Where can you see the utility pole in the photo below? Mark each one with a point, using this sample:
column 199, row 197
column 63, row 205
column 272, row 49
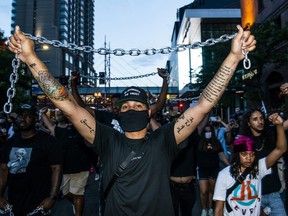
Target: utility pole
column 109, row 71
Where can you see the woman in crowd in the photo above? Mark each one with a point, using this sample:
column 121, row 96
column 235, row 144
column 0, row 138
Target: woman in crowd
column 208, row 152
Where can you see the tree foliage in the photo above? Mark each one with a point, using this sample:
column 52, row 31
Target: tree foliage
column 271, row 39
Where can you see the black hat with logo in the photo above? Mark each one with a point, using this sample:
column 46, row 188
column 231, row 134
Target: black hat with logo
column 133, row 94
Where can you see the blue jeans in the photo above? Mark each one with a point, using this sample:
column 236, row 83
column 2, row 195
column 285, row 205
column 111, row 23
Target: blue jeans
column 274, row 201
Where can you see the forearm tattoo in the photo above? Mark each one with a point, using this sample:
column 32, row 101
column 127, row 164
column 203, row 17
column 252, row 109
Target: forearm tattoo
column 84, row 121
column 216, row 87
column 185, row 122
column 32, row 65
column 51, row 86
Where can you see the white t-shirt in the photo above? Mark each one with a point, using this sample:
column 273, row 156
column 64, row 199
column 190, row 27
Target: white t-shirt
column 245, row 199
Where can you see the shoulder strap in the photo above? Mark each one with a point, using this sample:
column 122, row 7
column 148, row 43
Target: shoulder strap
column 239, row 181
column 119, row 171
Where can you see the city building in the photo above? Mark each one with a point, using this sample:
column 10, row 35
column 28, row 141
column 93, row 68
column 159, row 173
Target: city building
column 274, row 75
column 197, row 22
column 61, row 22
column 67, row 22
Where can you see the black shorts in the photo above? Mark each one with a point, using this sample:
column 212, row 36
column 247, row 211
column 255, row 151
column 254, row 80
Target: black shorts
column 206, row 173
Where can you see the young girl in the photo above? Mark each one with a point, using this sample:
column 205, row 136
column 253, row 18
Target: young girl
column 245, row 198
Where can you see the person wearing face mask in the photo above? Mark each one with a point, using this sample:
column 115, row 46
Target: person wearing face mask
column 208, row 152
column 142, row 187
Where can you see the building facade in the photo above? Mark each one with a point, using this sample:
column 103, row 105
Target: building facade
column 65, row 21
column 274, row 75
column 197, row 22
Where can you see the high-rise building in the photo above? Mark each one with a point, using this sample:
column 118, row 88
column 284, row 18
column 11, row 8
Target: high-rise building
column 65, row 21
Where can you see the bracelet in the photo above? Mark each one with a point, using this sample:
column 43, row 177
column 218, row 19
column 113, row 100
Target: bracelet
column 52, row 197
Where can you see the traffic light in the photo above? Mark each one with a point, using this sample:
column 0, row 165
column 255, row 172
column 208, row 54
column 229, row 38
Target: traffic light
column 180, row 107
column 102, row 78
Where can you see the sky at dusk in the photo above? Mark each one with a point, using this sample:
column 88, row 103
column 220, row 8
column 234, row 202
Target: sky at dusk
column 127, row 24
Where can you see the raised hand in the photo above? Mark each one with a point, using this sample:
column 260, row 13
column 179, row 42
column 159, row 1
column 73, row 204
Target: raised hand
column 21, row 44
column 275, row 118
column 243, row 41
column 162, row 72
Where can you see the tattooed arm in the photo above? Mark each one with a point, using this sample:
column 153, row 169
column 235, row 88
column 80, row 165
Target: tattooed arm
column 210, row 96
column 82, row 120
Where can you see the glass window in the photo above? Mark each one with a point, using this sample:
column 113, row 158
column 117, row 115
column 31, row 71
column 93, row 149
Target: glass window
column 63, row 27
column 67, row 72
column 66, row 57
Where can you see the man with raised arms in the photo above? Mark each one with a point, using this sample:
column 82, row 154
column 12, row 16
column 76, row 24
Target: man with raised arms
column 143, row 187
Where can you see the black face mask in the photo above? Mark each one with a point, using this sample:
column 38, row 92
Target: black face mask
column 132, row 120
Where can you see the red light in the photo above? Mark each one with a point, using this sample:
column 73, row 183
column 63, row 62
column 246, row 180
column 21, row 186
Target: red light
column 181, row 105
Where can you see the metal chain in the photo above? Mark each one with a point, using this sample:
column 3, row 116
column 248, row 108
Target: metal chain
column 7, row 209
column 135, row 51
column 40, row 209
column 11, row 91
column 166, row 75
column 183, row 99
column 246, row 61
column 121, row 78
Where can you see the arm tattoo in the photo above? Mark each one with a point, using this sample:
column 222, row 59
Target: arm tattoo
column 84, row 121
column 51, row 86
column 187, row 123
column 217, row 85
column 32, row 65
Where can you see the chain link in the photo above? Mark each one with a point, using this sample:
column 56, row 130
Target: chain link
column 121, row 78
column 11, row 91
column 7, row 209
column 134, row 51
column 246, row 61
column 183, row 99
column 40, row 209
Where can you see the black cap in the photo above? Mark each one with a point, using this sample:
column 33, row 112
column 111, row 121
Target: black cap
column 28, row 108
column 133, row 94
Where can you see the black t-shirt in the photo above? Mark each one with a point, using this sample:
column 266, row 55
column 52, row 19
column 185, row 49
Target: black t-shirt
column 143, row 188
column 210, row 157
column 75, row 151
column 29, row 176
column 270, row 183
column 185, row 162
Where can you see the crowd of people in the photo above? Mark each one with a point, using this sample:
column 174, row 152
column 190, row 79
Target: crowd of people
column 148, row 166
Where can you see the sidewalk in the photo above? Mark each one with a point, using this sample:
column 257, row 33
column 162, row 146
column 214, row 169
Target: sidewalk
column 64, row 207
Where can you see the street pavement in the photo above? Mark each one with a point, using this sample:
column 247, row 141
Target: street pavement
column 64, row 208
